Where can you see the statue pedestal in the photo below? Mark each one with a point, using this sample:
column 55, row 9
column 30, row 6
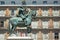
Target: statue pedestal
column 19, row 38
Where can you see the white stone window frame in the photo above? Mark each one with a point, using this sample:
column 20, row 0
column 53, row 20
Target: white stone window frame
column 45, row 24
column 56, row 24
column 2, row 13
column 34, row 24
column 2, row 37
column 45, row 36
column 55, row 13
column 45, row 13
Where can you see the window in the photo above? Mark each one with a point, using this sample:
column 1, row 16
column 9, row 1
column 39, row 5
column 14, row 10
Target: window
column 1, row 23
column 45, row 36
column 55, row 2
column 44, row 2
column 45, row 24
column 1, row 36
column 34, row 24
column 13, row 12
column 56, row 35
column 55, row 12
column 56, row 24
column 45, row 13
column 2, row 2
column 23, row 2
column 12, row 2
column 34, row 2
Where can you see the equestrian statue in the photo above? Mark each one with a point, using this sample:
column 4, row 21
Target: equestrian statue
column 23, row 19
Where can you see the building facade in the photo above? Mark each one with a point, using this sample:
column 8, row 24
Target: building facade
column 45, row 27
column 29, row 2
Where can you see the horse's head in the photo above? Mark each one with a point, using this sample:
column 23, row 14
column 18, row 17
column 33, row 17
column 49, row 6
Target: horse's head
column 31, row 12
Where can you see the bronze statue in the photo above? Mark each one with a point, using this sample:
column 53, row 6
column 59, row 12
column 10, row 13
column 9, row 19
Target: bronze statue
column 23, row 19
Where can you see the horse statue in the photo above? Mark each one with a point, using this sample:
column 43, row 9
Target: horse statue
column 23, row 19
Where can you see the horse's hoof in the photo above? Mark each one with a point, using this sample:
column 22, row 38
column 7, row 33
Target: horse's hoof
column 29, row 29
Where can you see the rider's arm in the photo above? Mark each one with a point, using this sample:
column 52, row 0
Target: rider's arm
column 22, row 16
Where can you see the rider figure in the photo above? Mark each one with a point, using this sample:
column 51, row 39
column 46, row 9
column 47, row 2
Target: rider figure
column 22, row 13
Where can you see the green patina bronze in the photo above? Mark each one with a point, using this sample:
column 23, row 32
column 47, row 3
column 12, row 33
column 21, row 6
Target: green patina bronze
column 23, row 19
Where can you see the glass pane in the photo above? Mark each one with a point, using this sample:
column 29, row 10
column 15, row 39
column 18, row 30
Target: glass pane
column 45, row 36
column 23, row 2
column 55, row 2
column 1, row 23
column 2, row 2
column 45, row 24
column 34, row 24
column 12, row 2
column 34, row 2
column 56, row 36
column 44, row 2
column 56, row 24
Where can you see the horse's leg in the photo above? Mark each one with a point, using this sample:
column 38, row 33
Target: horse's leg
column 28, row 23
column 10, row 28
column 13, row 29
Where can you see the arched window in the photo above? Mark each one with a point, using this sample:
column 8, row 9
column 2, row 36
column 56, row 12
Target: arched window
column 23, row 2
column 34, row 2
column 44, row 2
column 2, row 2
column 12, row 2
column 55, row 2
